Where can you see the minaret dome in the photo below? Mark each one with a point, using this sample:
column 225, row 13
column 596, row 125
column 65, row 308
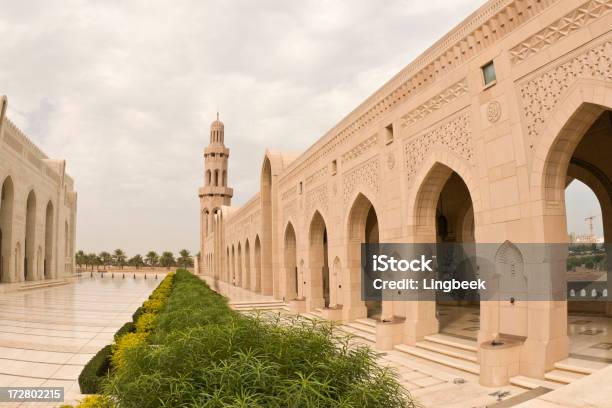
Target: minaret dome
column 216, row 131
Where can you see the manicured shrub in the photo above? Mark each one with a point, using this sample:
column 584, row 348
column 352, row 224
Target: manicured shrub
column 95, row 371
column 146, row 322
column 96, row 401
column 126, row 338
column 137, row 313
column 129, row 327
column 123, row 346
column 153, row 305
column 203, row 354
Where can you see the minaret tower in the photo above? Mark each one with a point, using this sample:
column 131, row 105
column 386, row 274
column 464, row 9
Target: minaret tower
column 214, row 194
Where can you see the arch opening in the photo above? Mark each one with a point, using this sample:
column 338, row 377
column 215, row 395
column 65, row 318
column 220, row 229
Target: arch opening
column 247, row 266
column 362, row 228
column 257, row 263
column 445, row 218
column 578, row 174
column 29, row 261
column 290, row 264
column 48, row 267
column 7, row 196
column 319, row 262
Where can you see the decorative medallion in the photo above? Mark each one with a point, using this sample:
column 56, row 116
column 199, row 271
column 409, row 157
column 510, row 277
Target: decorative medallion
column 493, row 111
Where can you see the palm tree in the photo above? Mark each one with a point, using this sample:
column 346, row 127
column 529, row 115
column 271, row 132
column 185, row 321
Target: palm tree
column 105, row 258
column 92, row 259
column 167, row 259
column 119, row 257
column 152, row 258
column 185, row 258
column 136, row 261
column 80, row 258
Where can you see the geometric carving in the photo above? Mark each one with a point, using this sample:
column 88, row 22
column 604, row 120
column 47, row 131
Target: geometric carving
column 561, row 28
column 289, row 208
column 317, row 196
column 366, row 173
column 360, row 149
column 289, row 192
column 540, row 94
column 455, row 135
column 319, row 174
column 443, row 98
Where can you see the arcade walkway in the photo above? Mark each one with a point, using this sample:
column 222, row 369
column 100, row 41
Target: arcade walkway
column 48, row 334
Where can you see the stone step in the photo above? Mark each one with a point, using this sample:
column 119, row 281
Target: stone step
column 359, row 333
column 257, row 307
column 533, row 383
column 255, row 302
column 452, row 351
column 579, row 365
column 311, row 315
column 366, row 321
column 43, row 284
column 363, row 327
column 457, row 342
column 439, row 358
column 562, row 376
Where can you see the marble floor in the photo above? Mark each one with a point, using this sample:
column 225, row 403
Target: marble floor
column 590, row 336
column 48, row 334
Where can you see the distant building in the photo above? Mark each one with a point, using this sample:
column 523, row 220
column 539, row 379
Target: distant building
column 37, row 209
column 585, row 239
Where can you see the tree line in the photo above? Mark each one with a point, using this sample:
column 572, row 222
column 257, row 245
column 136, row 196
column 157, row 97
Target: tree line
column 120, row 259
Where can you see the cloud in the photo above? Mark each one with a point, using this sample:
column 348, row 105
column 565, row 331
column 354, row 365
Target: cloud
column 126, row 90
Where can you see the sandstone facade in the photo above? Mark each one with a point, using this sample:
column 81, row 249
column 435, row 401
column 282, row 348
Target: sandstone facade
column 37, row 210
column 474, row 141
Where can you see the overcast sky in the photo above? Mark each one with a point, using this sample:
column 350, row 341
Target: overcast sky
column 126, row 91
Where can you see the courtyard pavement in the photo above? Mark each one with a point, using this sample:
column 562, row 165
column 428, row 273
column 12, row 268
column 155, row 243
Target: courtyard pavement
column 48, row 334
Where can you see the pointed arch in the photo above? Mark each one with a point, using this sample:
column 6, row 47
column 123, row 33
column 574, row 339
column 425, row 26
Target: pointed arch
column 48, row 262
column 257, row 264
column 362, row 227
column 561, row 133
column 247, row 265
column 233, row 266
column 30, row 272
column 290, row 263
column 239, row 280
column 7, row 198
column 319, row 293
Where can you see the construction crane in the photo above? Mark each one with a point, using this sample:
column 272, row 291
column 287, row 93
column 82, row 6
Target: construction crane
column 589, row 221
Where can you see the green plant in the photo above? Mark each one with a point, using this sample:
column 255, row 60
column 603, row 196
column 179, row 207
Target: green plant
column 202, row 353
column 146, row 322
column 137, row 313
column 128, row 327
column 95, row 370
column 96, row 401
column 123, row 346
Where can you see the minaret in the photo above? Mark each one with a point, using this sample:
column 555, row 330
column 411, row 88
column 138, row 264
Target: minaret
column 215, row 193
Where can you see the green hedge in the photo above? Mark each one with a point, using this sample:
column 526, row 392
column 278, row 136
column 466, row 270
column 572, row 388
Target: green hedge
column 137, row 314
column 128, row 327
column 95, row 370
column 200, row 353
column 100, row 366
